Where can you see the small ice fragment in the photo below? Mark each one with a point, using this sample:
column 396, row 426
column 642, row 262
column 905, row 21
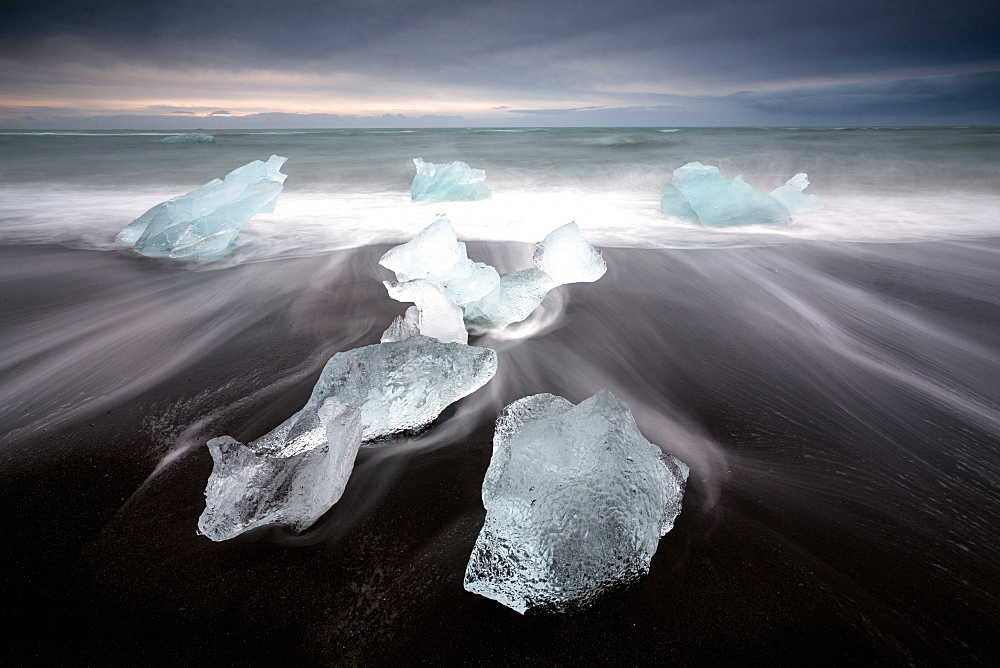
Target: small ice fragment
column 281, row 477
column 567, row 257
column 202, row 225
column 403, row 327
column 447, row 182
column 701, row 194
column 437, row 316
column 189, row 138
column 792, row 197
column 576, row 502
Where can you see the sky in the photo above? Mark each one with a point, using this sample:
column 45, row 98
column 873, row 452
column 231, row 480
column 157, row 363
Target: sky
column 214, row 64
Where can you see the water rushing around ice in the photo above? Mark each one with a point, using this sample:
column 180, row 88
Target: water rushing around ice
column 348, row 188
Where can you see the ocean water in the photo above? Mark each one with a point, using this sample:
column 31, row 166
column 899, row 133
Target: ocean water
column 348, row 188
column 833, row 384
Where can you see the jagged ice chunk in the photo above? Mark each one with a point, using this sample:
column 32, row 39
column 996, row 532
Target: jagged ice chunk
column 567, row 257
column 576, row 502
column 562, row 257
column 447, row 182
column 299, row 470
column 280, row 478
column 202, row 225
column 403, row 326
column 701, row 194
column 437, row 316
column 489, row 301
column 437, row 255
column 513, row 300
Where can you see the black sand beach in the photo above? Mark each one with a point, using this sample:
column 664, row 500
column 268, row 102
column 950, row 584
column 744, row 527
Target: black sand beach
column 837, row 404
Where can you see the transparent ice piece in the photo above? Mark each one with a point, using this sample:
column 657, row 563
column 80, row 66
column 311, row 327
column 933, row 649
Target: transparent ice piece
column 489, row 301
column 437, row 316
column 202, row 225
column 447, row 182
column 576, row 502
column 298, row 471
column 437, row 255
column 400, row 385
column 701, row 194
column 281, row 478
column 513, row 300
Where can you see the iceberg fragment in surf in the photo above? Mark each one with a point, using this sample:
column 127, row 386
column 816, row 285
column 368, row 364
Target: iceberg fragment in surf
column 299, row 470
column 474, row 291
column 202, row 225
column 447, row 182
column 576, row 502
column 701, row 194
column 189, row 138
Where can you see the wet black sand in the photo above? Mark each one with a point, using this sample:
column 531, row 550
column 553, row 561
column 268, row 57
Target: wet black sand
column 843, row 506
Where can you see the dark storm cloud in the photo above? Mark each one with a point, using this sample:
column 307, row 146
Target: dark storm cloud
column 971, row 99
column 930, row 98
column 520, row 44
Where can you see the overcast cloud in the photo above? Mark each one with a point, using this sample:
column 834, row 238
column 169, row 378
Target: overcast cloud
column 84, row 63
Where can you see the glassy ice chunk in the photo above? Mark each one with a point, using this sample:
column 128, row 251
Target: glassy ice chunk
column 400, row 385
column 437, row 255
column 299, row 470
column 576, row 502
column 567, row 257
column 202, row 225
column 434, row 250
column 447, row 182
column 513, row 300
column 701, row 194
column 489, row 301
column 189, row 138
column 281, row 477
column 562, row 257
column 437, row 316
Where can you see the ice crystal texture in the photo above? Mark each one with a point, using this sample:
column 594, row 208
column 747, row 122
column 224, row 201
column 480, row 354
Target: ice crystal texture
column 701, row 194
column 447, row 182
column 202, row 225
column 576, row 502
